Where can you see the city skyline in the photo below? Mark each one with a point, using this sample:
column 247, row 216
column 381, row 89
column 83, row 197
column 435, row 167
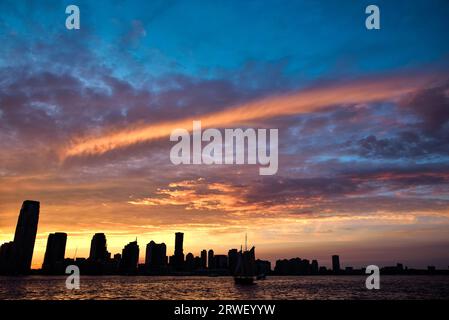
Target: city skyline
column 16, row 255
column 362, row 118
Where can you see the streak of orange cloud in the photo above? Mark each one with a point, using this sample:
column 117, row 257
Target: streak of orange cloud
column 304, row 101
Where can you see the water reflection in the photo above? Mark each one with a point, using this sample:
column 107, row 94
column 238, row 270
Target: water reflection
column 198, row 288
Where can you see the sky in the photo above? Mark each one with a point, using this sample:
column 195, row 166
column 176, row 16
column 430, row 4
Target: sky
column 363, row 119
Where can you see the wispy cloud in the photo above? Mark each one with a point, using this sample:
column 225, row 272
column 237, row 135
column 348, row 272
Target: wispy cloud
column 307, row 100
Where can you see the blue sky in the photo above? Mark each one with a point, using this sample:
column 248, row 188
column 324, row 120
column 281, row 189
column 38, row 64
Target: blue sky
column 204, row 39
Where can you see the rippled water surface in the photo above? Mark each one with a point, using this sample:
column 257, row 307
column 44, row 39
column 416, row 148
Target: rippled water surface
column 316, row 287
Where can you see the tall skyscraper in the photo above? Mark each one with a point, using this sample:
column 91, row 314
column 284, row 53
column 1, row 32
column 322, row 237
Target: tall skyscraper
column 179, row 251
column 179, row 239
column 130, row 258
column 25, row 236
column 54, row 253
column 336, row 263
column 203, row 259
column 210, row 259
column 98, row 248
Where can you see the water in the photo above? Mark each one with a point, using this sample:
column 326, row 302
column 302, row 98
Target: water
column 198, row 288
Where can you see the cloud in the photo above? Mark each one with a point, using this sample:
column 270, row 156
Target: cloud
column 355, row 195
column 199, row 195
column 431, row 105
column 424, row 134
column 308, row 100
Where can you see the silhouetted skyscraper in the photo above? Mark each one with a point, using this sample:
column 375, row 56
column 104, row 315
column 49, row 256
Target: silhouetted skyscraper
column 314, row 268
column 156, row 254
column 179, row 239
column 130, row 258
column 204, row 259
column 336, row 263
column 54, row 253
column 98, row 248
column 25, row 236
column 210, row 259
column 179, row 251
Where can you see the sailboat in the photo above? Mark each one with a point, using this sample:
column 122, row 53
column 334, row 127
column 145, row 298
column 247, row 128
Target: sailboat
column 246, row 266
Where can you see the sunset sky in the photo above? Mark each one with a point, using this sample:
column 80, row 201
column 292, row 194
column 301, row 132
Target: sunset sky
column 363, row 119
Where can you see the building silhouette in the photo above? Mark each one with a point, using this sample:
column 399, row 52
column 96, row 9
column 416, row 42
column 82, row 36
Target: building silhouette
column 190, row 262
column 115, row 262
column 305, row 266
column 155, row 255
column 314, row 268
column 295, row 266
column 323, row 270
column 130, row 258
column 25, row 236
column 210, row 259
column 336, row 263
column 7, row 258
column 198, row 263
column 233, row 256
column 263, row 267
column 179, row 251
column 203, row 259
column 98, row 248
column 54, row 253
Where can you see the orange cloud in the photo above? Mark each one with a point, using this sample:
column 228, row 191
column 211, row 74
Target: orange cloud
column 304, row 101
column 199, row 195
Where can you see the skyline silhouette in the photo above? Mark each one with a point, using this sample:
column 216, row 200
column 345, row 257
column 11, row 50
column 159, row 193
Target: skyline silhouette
column 15, row 257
